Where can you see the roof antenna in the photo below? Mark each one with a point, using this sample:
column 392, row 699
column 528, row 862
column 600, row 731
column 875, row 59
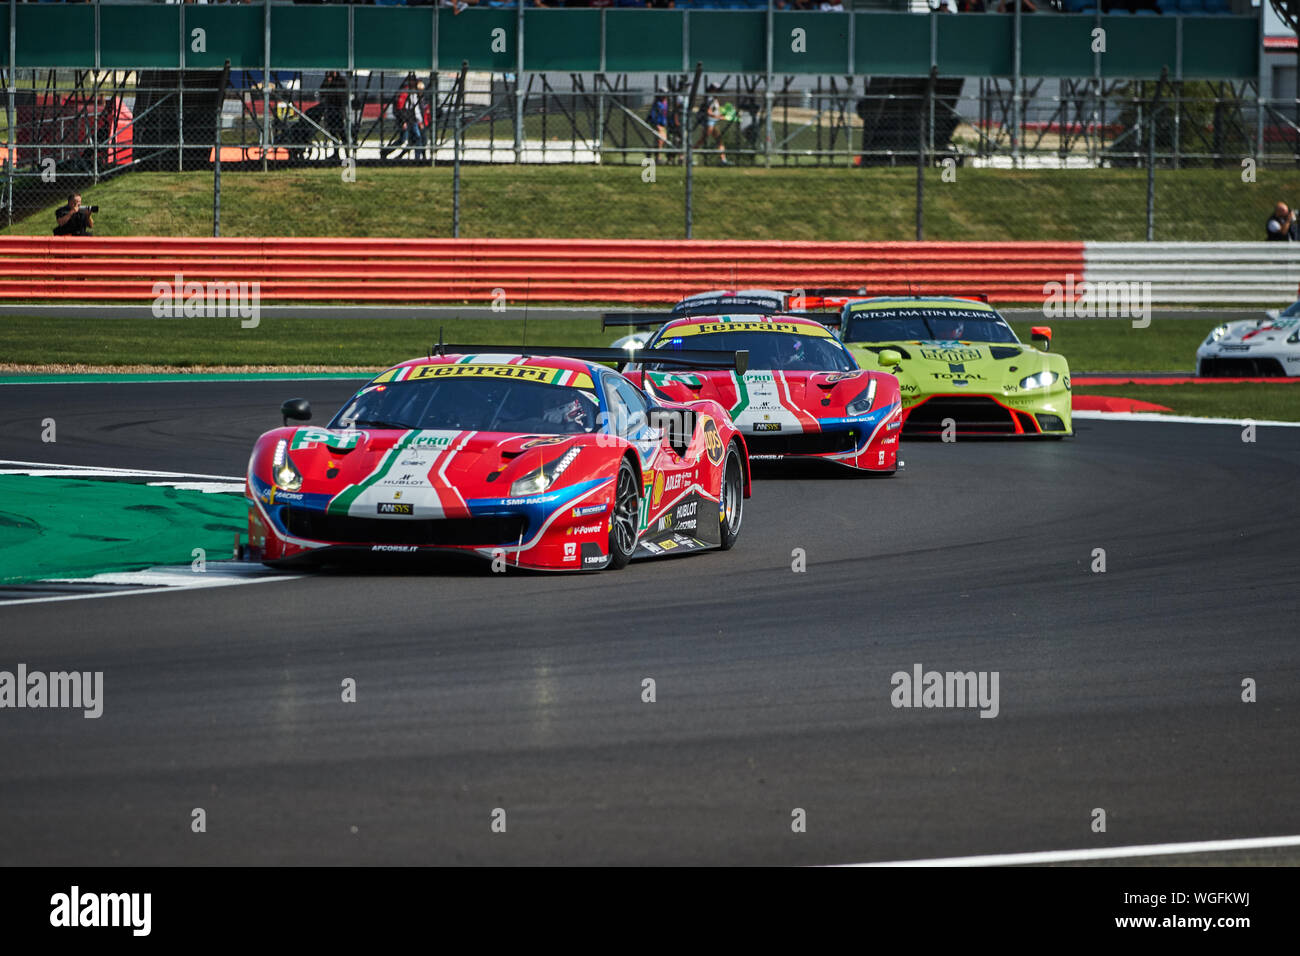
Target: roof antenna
column 438, row 349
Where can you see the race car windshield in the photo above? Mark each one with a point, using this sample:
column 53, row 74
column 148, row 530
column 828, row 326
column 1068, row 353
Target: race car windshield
column 1291, row 311
column 780, row 351
column 907, row 325
column 472, row 404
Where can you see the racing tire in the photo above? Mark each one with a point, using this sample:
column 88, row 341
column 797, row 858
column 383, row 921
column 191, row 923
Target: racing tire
column 731, row 498
column 627, row 515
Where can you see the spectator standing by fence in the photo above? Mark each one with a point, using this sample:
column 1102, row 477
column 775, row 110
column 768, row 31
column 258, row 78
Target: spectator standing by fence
column 710, row 116
column 334, row 101
column 411, row 114
column 1282, row 225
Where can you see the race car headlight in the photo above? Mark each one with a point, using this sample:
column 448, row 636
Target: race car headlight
column 862, row 404
column 285, row 474
column 1040, row 380
column 534, row 483
column 1217, row 333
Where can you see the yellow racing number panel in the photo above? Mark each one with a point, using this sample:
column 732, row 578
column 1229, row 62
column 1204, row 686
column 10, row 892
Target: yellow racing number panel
column 517, row 373
column 709, row 328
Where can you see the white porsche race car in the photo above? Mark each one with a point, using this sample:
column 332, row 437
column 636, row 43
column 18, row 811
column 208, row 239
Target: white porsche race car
column 1253, row 348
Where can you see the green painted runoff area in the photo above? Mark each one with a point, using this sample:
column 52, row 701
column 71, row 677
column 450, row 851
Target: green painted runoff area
column 72, row 527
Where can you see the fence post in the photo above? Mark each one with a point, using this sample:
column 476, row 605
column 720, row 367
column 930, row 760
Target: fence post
column 768, row 96
column 1017, row 103
column 266, row 80
column 519, row 85
column 920, row 174
column 1151, row 174
column 216, row 152
column 9, row 115
column 921, row 124
column 690, row 159
column 455, row 153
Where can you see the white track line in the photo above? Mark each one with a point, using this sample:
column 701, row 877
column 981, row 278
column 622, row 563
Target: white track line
column 1183, row 419
column 1101, row 853
column 46, row 468
column 218, row 582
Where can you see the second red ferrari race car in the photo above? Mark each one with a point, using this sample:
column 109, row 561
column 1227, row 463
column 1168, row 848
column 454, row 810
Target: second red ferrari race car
column 536, row 461
column 803, row 396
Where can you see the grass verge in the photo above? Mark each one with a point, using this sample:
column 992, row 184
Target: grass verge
column 1089, row 344
column 613, row 201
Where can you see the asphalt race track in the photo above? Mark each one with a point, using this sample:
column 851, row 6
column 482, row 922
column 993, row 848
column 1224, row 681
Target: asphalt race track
column 1118, row 690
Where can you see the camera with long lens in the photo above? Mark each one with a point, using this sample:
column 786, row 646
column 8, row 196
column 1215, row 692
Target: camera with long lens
column 90, row 209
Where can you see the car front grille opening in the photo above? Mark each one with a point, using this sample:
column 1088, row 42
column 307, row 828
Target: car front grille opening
column 802, row 443
column 343, row 529
column 971, row 416
column 1242, row 368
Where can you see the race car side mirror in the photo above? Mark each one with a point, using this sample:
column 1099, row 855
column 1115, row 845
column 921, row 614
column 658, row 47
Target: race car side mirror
column 1042, row 336
column 299, row 409
column 890, row 357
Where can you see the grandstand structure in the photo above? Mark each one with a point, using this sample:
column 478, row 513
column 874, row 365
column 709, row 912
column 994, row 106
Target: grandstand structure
column 98, row 89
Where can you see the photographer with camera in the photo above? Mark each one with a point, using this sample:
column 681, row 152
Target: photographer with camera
column 74, row 219
column 1282, row 226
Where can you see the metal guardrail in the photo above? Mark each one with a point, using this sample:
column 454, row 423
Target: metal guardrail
column 1188, row 273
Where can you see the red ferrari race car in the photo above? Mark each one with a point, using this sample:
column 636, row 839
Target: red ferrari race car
column 804, row 395
column 538, row 461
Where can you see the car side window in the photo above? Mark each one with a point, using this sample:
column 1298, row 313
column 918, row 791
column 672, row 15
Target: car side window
column 627, row 406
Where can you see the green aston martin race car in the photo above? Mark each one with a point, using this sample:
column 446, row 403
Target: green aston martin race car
column 960, row 367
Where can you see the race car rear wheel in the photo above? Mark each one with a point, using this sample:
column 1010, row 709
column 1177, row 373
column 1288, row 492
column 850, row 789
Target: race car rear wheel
column 627, row 515
column 731, row 498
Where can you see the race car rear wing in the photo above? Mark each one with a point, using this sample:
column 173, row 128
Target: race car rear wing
column 683, row 358
column 811, row 300
column 653, row 320
column 635, row 320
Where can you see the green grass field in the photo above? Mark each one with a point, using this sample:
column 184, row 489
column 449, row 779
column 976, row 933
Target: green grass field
column 1089, row 344
column 196, row 344
column 753, row 203
column 614, row 201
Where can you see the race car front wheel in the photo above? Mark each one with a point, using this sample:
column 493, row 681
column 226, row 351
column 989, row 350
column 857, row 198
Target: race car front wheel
column 627, row 515
column 731, row 500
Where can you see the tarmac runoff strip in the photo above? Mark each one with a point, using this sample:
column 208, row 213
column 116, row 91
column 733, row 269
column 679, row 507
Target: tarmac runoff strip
column 158, row 580
column 1178, row 419
column 1100, row 853
column 1174, row 378
column 76, row 523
